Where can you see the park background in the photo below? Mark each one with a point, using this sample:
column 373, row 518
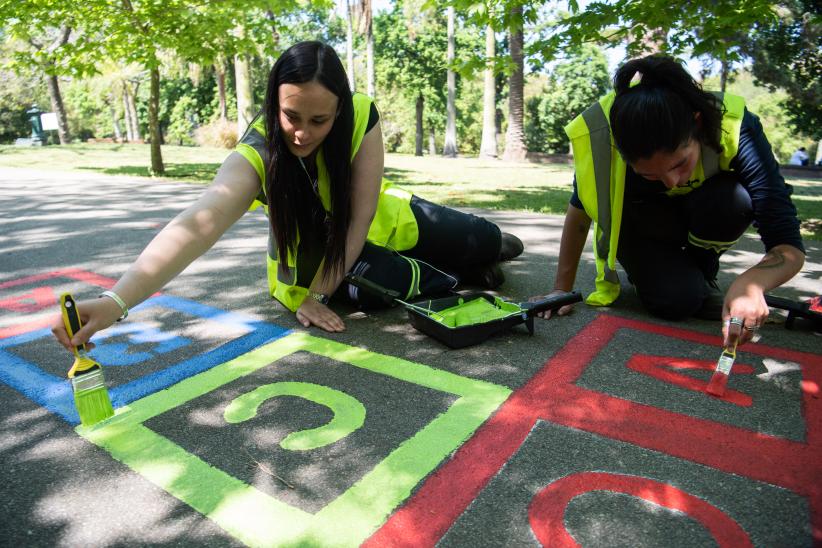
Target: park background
column 164, row 88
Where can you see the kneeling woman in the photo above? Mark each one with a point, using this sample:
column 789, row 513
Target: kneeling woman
column 690, row 171
column 314, row 159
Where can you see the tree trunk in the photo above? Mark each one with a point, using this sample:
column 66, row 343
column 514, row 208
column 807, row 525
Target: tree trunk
column 450, row 147
column 488, row 144
column 245, row 98
column 515, row 149
column 130, row 111
column 418, row 134
column 369, row 51
column 58, row 108
column 219, row 73
column 157, row 167
column 115, row 123
column 349, row 45
column 432, row 142
column 725, row 70
column 129, row 136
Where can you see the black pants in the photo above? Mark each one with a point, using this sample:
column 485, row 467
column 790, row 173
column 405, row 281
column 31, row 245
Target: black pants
column 450, row 244
column 670, row 245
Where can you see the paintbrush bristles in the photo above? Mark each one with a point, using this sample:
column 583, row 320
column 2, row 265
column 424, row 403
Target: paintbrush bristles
column 91, row 397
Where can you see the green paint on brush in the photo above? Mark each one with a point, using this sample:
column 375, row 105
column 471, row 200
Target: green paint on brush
column 258, row 519
column 91, row 397
column 349, row 413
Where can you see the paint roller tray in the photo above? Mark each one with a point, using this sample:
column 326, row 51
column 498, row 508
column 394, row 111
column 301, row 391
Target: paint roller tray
column 464, row 320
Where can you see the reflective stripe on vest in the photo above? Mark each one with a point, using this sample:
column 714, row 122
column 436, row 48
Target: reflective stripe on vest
column 600, row 176
column 394, row 224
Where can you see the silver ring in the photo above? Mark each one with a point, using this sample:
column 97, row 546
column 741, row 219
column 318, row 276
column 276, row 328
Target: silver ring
column 736, row 321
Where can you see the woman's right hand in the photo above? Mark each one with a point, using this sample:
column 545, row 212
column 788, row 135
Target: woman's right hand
column 312, row 312
column 95, row 315
column 546, row 314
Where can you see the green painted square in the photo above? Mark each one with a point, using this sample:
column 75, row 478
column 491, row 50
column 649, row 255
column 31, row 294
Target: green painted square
column 258, row 519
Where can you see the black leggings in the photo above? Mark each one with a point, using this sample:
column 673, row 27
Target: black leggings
column 450, row 243
column 670, row 245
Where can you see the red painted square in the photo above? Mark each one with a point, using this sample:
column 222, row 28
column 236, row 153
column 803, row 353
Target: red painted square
column 552, row 395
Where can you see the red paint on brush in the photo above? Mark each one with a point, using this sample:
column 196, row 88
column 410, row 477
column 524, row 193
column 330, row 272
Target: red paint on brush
column 719, row 380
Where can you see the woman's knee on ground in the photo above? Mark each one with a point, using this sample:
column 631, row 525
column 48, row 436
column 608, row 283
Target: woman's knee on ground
column 677, row 299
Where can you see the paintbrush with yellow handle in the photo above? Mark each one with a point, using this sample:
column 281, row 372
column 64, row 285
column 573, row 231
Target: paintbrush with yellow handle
column 90, row 394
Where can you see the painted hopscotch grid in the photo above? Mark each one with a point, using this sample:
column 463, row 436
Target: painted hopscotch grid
column 552, row 395
column 54, row 391
column 258, row 519
column 566, row 487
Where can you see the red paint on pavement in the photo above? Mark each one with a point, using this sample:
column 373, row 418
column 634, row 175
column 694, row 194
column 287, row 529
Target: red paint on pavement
column 659, row 367
column 546, row 513
column 551, row 395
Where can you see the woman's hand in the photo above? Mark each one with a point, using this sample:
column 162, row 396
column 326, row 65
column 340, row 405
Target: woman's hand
column 95, row 315
column 743, row 312
column 546, row 314
column 312, row 312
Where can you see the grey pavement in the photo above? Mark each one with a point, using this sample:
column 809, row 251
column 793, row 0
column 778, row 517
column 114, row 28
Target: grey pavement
column 59, row 489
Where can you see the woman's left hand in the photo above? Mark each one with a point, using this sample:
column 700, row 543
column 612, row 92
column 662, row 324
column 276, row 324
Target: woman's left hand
column 312, row 312
column 743, row 313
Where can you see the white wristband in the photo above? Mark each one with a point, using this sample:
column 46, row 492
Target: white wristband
column 120, row 302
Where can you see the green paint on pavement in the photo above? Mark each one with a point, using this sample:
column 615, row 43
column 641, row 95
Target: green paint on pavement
column 258, row 519
column 349, row 413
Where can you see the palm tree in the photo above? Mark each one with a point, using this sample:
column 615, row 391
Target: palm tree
column 450, row 147
column 488, row 144
column 349, row 43
column 515, row 148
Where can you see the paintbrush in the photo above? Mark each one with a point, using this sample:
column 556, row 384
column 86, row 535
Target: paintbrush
column 90, row 394
column 719, row 380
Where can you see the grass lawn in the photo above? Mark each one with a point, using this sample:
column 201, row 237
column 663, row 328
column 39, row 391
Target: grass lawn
column 466, row 182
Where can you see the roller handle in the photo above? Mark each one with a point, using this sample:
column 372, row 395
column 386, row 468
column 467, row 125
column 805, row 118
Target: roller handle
column 797, row 309
column 552, row 302
column 786, row 304
column 388, row 296
column 71, row 319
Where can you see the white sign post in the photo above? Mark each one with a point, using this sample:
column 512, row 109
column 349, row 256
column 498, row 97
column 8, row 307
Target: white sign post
column 49, row 121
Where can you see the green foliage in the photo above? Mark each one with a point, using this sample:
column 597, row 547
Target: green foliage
column 721, row 24
column 572, row 86
column 17, row 95
column 47, row 35
column 410, row 63
column 768, row 106
column 787, row 54
column 411, row 46
column 88, row 110
column 183, row 121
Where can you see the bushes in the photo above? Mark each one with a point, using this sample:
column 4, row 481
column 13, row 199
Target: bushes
column 220, row 133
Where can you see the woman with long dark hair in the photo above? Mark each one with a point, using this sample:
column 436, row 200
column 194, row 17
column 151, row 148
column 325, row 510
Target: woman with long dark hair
column 314, row 159
column 690, row 171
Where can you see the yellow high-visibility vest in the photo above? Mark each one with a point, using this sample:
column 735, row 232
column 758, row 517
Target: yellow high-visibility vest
column 600, row 176
column 393, row 226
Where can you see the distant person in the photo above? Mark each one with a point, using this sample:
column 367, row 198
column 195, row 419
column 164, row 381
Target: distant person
column 314, row 160
column 799, row 158
column 691, row 170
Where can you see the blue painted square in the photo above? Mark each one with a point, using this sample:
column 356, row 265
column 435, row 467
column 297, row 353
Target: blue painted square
column 54, row 392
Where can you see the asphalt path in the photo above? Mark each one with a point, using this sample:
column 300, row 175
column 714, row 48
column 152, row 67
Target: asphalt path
column 457, row 447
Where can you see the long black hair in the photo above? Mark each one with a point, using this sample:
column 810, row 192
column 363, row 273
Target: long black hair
column 292, row 202
column 658, row 113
